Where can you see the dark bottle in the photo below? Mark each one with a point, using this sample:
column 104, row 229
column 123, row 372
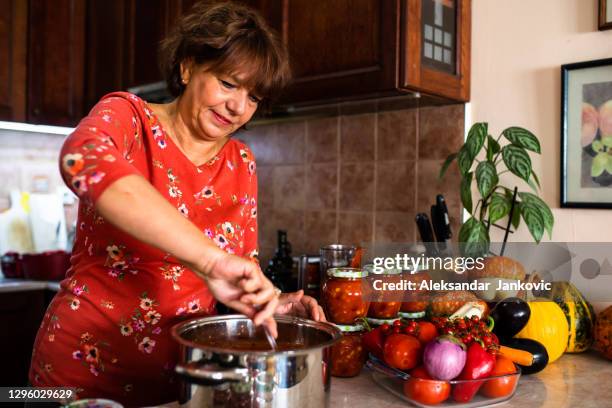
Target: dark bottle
column 280, row 268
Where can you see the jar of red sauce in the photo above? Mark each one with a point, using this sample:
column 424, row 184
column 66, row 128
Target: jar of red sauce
column 415, row 301
column 385, row 304
column 343, row 295
column 348, row 354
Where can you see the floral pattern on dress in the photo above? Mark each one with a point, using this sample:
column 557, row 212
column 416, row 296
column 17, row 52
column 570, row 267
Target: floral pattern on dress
column 143, row 324
column 172, row 273
column 119, row 262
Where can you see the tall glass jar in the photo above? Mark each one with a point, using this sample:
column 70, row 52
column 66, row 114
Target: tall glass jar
column 384, row 307
column 415, row 301
column 343, row 294
column 348, row 354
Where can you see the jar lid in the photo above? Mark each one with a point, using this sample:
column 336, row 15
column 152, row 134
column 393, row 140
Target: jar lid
column 347, row 273
column 377, row 322
column 412, row 315
column 386, row 271
column 350, row 328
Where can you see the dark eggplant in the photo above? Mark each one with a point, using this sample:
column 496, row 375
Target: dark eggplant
column 540, row 356
column 510, row 316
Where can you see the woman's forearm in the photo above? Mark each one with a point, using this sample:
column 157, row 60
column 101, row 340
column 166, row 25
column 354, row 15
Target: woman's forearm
column 133, row 205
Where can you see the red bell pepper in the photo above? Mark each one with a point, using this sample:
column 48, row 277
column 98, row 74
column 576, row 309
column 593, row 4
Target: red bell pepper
column 374, row 342
column 479, row 364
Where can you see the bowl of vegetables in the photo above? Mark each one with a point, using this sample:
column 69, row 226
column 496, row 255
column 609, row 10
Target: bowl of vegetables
column 454, row 361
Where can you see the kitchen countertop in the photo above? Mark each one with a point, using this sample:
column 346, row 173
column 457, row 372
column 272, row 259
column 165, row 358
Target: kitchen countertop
column 16, row 285
column 575, row 380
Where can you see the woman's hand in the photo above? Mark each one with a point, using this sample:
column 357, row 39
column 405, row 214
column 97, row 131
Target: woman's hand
column 241, row 285
column 298, row 304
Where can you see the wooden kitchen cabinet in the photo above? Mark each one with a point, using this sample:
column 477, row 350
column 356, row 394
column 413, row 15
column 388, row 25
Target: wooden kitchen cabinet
column 13, row 23
column 349, row 49
column 21, row 314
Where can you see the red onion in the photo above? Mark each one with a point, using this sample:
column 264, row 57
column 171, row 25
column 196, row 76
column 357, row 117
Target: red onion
column 444, row 357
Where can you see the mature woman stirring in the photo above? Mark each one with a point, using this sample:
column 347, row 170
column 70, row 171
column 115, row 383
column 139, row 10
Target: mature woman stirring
column 168, row 214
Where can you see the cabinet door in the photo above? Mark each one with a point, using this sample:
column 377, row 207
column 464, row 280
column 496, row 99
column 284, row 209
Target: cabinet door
column 56, row 61
column 436, row 37
column 341, row 49
column 13, row 34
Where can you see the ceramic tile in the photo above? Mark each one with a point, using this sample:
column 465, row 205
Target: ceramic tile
column 289, row 183
column 396, row 136
column 289, row 220
column 319, row 230
column 263, row 141
column 357, row 187
column 265, row 186
column 355, row 228
column 321, row 186
column 322, row 140
column 394, row 227
column 395, row 186
column 441, row 130
column 357, row 138
column 291, row 142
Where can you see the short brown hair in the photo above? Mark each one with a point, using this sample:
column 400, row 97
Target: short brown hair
column 231, row 37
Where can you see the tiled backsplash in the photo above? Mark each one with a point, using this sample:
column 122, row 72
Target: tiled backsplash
column 354, row 178
column 349, row 178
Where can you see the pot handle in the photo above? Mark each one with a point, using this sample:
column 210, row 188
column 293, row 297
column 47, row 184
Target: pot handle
column 211, row 372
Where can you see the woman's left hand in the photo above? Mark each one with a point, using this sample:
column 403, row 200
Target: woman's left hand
column 298, row 304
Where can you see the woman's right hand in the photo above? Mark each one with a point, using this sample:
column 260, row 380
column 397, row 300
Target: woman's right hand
column 241, row 285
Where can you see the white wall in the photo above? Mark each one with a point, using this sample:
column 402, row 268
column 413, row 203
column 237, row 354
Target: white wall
column 518, row 47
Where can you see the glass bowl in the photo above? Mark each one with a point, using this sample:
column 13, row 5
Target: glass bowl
column 434, row 393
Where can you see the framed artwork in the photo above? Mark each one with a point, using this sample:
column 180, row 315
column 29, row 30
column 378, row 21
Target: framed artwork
column 605, row 14
column 586, row 134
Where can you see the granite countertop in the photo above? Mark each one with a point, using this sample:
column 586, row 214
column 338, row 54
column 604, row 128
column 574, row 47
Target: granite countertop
column 16, row 285
column 575, row 380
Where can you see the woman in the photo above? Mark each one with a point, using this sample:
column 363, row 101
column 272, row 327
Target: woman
column 167, row 216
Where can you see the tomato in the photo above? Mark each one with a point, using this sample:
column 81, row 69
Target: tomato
column 427, row 332
column 500, row 387
column 402, row 351
column 425, row 390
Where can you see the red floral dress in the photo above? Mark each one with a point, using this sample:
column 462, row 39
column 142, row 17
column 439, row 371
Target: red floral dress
column 107, row 331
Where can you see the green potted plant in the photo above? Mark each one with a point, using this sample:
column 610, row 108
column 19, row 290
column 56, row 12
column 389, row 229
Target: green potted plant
column 496, row 200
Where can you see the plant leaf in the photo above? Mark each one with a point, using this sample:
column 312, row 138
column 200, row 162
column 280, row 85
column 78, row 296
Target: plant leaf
column 517, row 161
column 447, row 163
column 486, row 178
column 532, row 185
column 466, row 192
column 475, row 139
column 599, row 164
column 522, row 138
column 492, row 148
column 533, row 218
column 474, row 238
column 464, row 161
column 543, row 208
column 499, row 207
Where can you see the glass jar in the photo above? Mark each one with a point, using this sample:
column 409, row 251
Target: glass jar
column 343, row 295
column 415, row 301
column 348, row 354
column 383, row 306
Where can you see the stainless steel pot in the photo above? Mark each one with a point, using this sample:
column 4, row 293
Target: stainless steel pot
column 216, row 375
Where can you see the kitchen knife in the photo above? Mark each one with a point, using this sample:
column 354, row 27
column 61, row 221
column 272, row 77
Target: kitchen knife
column 443, row 211
column 426, row 233
column 437, row 222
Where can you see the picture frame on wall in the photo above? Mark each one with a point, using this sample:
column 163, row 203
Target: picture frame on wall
column 605, row 14
column 586, row 134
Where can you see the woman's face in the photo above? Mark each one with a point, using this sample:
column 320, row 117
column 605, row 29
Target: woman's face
column 215, row 105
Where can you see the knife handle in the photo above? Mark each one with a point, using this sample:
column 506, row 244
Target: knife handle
column 426, row 232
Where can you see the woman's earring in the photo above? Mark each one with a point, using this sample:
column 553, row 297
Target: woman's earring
column 185, row 81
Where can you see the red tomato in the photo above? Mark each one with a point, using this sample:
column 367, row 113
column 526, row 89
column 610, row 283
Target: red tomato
column 425, row 390
column 427, row 332
column 500, row 387
column 402, row 351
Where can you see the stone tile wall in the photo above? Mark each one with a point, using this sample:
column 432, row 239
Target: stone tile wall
column 354, row 178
